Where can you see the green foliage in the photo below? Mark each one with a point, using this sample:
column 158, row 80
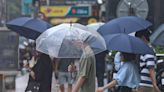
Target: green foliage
column 159, row 49
column 110, row 58
column 13, row 9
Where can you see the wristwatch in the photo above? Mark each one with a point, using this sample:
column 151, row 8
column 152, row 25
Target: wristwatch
column 138, row 8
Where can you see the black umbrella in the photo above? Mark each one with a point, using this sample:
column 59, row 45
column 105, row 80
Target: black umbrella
column 126, row 43
column 28, row 27
column 126, row 25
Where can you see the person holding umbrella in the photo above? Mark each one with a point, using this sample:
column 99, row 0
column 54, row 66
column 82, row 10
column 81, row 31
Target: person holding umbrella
column 40, row 74
column 127, row 76
column 147, row 66
column 87, row 72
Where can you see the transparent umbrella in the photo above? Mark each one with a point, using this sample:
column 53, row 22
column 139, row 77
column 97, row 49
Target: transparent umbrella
column 95, row 26
column 99, row 38
column 68, row 41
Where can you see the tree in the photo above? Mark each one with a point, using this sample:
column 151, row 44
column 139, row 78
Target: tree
column 13, row 9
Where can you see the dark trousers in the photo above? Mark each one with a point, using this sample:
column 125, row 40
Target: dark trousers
column 124, row 89
column 100, row 78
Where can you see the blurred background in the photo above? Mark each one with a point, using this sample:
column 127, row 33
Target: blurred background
column 61, row 11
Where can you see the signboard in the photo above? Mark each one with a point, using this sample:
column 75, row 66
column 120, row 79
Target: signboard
column 62, row 2
column 80, row 1
column 8, row 50
column 92, row 20
column 66, row 11
column 26, row 7
column 81, row 20
column 55, row 21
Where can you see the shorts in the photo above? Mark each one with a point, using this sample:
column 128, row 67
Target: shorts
column 145, row 89
column 65, row 77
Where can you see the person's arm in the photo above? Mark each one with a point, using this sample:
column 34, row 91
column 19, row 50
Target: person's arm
column 32, row 74
column 152, row 76
column 84, row 71
column 56, row 66
column 109, row 85
column 79, row 83
column 150, row 62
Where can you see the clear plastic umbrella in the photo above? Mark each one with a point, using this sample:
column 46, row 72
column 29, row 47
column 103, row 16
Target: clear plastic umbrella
column 68, row 41
column 99, row 38
column 95, row 26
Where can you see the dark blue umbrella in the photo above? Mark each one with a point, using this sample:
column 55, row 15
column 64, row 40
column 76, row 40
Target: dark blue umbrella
column 126, row 25
column 28, row 27
column 157, row 38
column 126, row 43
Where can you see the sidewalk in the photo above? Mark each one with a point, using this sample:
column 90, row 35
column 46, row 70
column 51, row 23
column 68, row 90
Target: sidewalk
column 21, row 83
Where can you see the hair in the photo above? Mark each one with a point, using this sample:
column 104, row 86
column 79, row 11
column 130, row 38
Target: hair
column 128, row 56
column 146, row 33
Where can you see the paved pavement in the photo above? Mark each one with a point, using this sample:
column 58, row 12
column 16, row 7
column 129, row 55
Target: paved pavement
column 21, row 83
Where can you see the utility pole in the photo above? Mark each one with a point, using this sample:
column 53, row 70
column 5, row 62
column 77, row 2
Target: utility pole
column 157, row 13
column 2, row 12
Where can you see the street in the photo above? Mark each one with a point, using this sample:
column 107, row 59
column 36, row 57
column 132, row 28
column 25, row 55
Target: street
column 21, row 83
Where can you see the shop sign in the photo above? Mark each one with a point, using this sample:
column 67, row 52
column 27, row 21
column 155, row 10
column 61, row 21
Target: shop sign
column 55, row 21
column 66, row 11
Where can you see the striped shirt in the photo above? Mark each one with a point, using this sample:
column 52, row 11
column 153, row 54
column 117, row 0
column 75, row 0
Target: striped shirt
column 146, row 62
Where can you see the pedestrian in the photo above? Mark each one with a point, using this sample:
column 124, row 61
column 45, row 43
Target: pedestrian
column 87, row 72
column 117, row 61
column 127, row 76
column 147, row 66
column 62, row 73
column 41, row 73
column 100, row 67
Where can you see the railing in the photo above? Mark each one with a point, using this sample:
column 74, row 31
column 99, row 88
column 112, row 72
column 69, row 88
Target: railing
column 160, row 55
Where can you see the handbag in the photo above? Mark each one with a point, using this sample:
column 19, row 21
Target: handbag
column 33, row 87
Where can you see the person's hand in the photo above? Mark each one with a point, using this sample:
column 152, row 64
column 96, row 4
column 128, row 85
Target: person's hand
column 32, row 74
column 100, row 89
column 71, row 68
column 156, row 89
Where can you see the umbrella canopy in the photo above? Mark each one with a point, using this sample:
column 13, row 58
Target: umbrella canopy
column 99, row 38
column 95, row 26
column 67, row 41
column 157, row 38
column 28, row 27
column 126, row 25
column 126, row 43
